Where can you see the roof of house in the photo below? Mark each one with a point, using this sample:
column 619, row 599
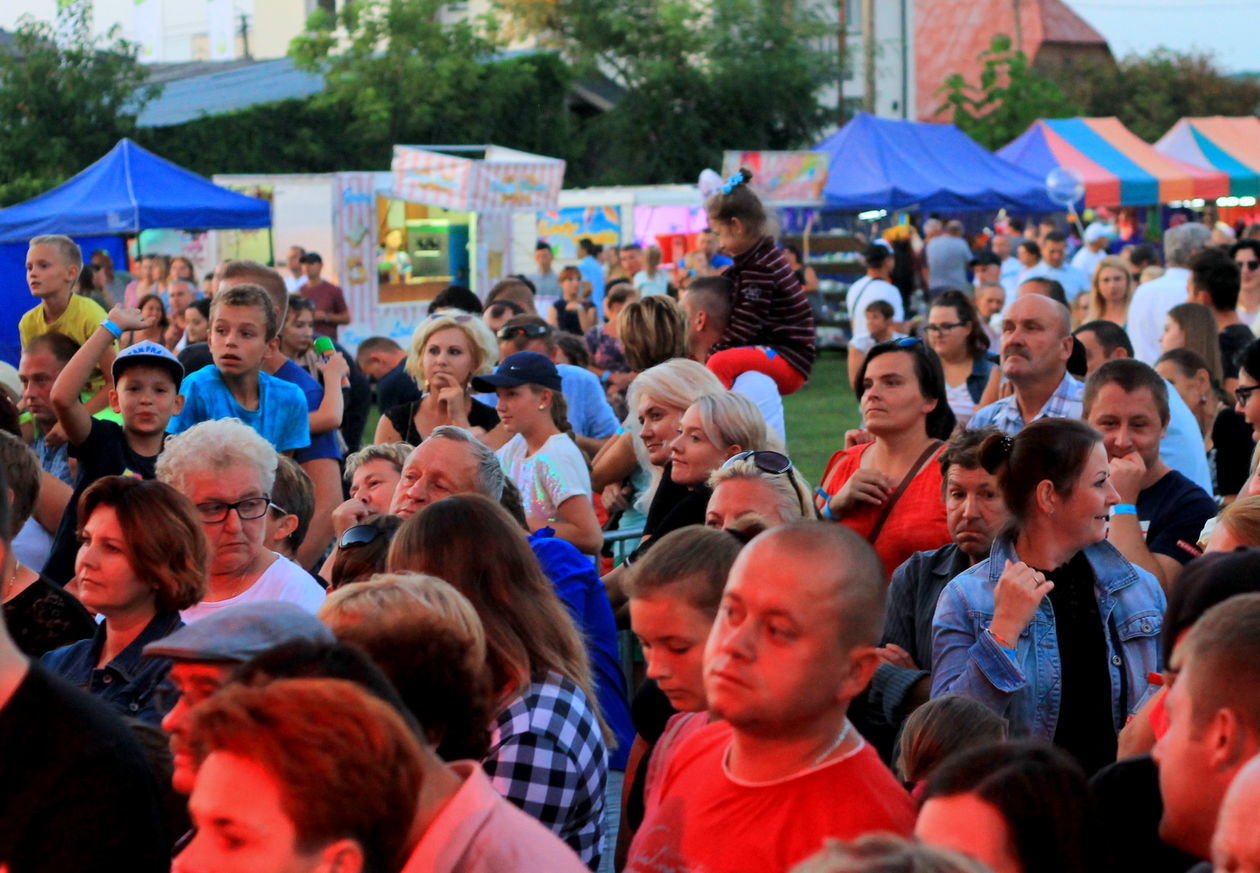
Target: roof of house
column 204, row 88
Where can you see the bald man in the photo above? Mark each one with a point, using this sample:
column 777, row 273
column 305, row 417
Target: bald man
column 1236, row 843
column 1036, row 345
column 782, row 768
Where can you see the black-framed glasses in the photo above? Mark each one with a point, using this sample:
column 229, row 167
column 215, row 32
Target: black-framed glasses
column 1248, row 265
column 943, row 328
column 1243, row 393
column 361, row 535
column 774, row 463
column 533, row 331
column 216, row 512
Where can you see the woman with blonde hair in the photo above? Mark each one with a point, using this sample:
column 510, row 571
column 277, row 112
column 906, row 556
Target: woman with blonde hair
column 446, row 351
column 1237, row 527
column 652, row 330
column 547, row 744
column 756, row 491
column 1110, row 291
column 429, row 641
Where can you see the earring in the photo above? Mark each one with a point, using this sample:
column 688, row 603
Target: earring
column 541, row 408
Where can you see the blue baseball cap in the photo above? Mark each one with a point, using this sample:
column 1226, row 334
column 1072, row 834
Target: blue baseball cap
column 521, row 368
column 150, row 354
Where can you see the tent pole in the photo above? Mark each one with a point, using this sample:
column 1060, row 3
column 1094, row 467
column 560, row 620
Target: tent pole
column 271, row 245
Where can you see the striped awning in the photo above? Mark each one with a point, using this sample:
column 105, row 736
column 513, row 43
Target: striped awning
column 1229, row 145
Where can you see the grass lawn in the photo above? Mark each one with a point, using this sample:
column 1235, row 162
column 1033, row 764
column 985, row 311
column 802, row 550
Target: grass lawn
column 819, row 414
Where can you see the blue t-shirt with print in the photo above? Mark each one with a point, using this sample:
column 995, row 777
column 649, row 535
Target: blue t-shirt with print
column 280, row 417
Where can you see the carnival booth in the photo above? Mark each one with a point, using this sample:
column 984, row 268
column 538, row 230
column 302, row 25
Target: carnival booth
column 1228, row 145
column 127, row 191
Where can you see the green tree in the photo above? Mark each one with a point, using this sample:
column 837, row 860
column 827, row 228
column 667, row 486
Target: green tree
column 1151, row 92
column 66, row 98
column 1009, row 96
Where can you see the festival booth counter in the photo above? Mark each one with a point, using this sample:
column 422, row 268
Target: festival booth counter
column 127, row 191
column 1227, row 145
column 392, row 240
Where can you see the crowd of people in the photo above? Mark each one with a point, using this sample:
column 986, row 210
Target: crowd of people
column 574, row 607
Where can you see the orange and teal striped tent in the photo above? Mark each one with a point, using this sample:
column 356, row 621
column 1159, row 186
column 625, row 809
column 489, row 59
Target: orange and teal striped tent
column 1230, row 145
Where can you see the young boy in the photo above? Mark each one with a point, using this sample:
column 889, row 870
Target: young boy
column 879, row 327
column 243, row 326
column 146, row 380
column 52, row 271
column 292, row 505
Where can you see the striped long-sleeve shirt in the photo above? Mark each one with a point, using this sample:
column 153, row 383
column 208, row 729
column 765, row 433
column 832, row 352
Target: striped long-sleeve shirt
column 769, row 307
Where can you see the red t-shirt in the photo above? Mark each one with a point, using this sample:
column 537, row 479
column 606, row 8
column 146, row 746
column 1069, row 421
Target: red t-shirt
column 706, row 822
column 327, row 297
column 917, row 522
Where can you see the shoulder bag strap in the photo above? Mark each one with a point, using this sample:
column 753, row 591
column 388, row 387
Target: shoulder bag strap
column 901, row 489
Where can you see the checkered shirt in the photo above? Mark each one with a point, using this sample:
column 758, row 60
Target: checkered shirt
column 1065, row 402
column 547, row 756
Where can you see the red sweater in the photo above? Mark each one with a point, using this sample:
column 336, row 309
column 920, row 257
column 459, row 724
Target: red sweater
column 769, row 307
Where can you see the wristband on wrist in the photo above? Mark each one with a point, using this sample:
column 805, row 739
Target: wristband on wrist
column 825, row 512
column 1124, row 509
column 1002, row 643
column 112, row 328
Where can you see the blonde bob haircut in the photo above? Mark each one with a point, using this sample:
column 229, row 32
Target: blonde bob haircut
column 215, row 446
column 482, row 345
column 404, row 601
column 730, row 419
column 676, row 383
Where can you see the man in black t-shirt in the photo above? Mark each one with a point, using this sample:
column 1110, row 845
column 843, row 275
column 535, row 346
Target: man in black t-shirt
column 1161, row 513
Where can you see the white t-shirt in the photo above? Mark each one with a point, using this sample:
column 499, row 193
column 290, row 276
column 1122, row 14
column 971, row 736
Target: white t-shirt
column 959, row 399
column 293, row 283
column 761, row 390
column 648, row 287
column 1087, row 261
column 862, row 294
column 283, row 580
column 547, row 478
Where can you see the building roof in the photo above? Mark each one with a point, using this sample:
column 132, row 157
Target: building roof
column 204, row 88
column 950, row 36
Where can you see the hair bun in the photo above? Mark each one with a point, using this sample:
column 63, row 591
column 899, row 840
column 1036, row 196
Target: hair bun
column 746, row 173
column 995, row 451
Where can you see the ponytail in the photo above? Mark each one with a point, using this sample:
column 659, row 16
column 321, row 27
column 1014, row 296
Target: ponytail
column 735, row 200
column 1050, row 449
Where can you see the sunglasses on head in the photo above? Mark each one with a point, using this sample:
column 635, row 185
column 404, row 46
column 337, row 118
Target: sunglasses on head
column 458, row 318
column 774, row 463
column 362, row 535
column 533, row 331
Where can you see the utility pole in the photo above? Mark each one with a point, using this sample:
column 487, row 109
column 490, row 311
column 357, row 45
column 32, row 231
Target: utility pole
column 842, row 48
column 868, row 50
column 1019, row 28
column 244, row 34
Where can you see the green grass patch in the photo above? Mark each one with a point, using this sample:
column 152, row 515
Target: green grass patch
column 819, row 414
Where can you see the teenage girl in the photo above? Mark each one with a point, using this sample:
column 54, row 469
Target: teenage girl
column 771, row 326
column 541, row 459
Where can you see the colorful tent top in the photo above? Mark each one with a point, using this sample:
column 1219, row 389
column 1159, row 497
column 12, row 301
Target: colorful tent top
column 1119, row 168
column 880, row 163
column 502, row 180
column 128, row 190
column 1231, row 145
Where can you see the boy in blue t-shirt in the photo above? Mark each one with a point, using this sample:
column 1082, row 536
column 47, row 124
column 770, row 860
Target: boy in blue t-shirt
column 243, row 325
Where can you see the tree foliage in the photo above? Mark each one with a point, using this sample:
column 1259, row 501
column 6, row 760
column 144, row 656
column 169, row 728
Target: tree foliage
column 66, row 98
column 1009, row 96
column 1151, row 92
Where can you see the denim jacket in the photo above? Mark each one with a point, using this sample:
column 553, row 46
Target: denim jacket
column 128, row 682
column 1026, row 689
column 978, row 379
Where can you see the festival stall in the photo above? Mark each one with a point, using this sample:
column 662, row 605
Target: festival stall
column 1229, row 145
column 127, row 191
column 1116, row 167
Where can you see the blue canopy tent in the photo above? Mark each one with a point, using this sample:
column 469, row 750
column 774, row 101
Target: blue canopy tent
column 880, row 163
column 128, row 190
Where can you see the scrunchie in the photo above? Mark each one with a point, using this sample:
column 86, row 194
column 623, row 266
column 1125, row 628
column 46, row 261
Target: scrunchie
column 734, row 182
column 1008, row 445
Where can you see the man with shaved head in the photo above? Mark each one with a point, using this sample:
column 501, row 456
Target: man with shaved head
column 1236, row 843
column 781, row 769
column 1036, row 345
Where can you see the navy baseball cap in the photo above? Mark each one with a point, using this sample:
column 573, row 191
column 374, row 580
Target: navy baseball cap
column 521, row 368
column 149, row 354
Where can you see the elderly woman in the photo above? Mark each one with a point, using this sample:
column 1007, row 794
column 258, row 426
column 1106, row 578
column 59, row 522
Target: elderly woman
column 228, row 470
column 889, row 490
column 1055, row 630
column 756, row 491
column 447, row 350
column 141, row 561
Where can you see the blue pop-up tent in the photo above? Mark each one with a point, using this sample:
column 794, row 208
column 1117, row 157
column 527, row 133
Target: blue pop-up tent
column 880, row 163
column 127, row 191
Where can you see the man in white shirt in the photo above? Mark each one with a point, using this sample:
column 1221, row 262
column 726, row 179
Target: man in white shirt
column 1053, row 252
column 871, row 287
column 297, row 274
column 1152, row 300
column 1003, row 245
column 707, row 303
column 1097, row 235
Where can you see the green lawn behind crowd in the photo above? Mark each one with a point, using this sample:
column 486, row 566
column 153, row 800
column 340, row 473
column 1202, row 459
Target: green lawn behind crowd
column 817, row 416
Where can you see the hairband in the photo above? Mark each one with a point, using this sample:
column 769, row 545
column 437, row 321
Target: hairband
column 733, row 182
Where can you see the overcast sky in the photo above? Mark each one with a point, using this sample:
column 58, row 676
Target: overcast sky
column 1229, row 28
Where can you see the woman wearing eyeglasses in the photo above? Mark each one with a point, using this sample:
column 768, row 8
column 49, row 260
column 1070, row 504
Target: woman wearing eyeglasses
column 889, row 490
column 1248, row 399
column 447, row 350
column 954, row 332
column 757, row 491
column 141, row 560
column 227, row 470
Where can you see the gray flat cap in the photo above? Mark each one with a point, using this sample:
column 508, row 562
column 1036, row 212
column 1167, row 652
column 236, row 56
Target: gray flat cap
column 238, row 633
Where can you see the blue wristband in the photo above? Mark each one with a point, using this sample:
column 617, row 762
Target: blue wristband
column 112, row 328
column 826, row 502
column 1124, row 509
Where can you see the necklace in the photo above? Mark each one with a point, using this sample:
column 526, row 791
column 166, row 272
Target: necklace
column 830, row 750
column 11, row 581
